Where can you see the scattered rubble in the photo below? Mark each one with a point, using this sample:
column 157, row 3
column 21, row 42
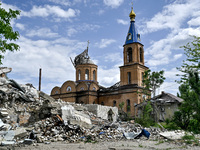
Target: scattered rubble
column 173, row 135
column 28, row 116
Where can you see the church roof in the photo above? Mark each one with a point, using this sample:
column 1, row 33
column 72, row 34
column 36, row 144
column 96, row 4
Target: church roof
column 82, row 58
column 133, row 36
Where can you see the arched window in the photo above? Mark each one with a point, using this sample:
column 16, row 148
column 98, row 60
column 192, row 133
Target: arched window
column 82, row 88
column 79, row 74
column 56, row 92
column 94, row 75
column 129, row 36
column 142, row 76
column 129, row 77
column 129, row 55
column 86, row 74
column 128, row 105
column 138, row 37
column 141, row 54
column 69, row 89
column 114, row 103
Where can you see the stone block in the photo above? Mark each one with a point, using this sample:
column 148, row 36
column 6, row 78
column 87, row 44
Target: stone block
column 20, row 133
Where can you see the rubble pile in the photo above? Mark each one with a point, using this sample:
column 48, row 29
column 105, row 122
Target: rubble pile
column 28, row 116
column 52, row 130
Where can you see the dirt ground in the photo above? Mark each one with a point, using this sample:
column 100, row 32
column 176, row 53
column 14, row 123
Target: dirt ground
column 119, row 145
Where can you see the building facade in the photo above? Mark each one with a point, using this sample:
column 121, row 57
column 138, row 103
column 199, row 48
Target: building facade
column 86, row 88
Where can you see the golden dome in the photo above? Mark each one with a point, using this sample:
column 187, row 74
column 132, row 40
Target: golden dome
column 132, row 14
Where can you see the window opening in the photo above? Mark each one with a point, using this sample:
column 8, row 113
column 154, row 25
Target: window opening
column 129, row 77
column 141, row 54
column 114, row 103
column 86, row 74
column 69, row 89
column 94, row 75
column 129, row 36
column 129, row 55
column 128, row 104
column 79, row 74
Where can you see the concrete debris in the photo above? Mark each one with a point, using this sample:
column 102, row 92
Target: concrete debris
column 4, row 71
column 131, row 135
column 28, row 116
column 173, row 135
column 104, row 112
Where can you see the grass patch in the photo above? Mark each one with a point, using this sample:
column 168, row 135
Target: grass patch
column 190, row 139
column 140, row 145
column 160, row 142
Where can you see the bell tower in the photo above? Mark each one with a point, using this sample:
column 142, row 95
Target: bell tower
column 133, row 56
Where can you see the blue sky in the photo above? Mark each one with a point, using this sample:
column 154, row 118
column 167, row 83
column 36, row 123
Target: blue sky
column 51, row 31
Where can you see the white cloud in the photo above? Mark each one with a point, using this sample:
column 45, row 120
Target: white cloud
column 71, row 31
column 108, row 77
column 120, row 21
column 81, row 28
column 67, row 2
column 113, row 3
column 105, row 42
column 171, row 74
column 20, row 26
column 61, row 2
column 113, row 57
column 194, row 22
column 52, row 56
column 47, row 10
column 42, row 32
column 177, row 56
column 86, row 26
column 7, row 7
column 160, row 52
column 172, row 16
column 170, row 85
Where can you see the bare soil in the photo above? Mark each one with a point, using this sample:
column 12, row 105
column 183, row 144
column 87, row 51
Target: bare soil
column 119, row 145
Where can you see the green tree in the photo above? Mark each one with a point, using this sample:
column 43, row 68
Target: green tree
column 152, row 81
column 145, row 118
column 7, row 35
column 192, row 62
column 188, row 117
column 121, row 105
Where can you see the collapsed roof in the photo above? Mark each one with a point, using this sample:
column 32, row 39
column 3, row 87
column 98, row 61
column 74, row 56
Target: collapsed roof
column 82, row 58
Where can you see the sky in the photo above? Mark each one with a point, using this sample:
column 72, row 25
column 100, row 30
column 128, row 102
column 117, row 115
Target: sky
column 52, row 31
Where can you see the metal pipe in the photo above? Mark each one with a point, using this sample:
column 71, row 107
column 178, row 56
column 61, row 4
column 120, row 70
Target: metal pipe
column 40, row 75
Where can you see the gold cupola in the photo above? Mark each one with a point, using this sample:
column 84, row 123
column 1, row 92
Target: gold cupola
column 132, row 15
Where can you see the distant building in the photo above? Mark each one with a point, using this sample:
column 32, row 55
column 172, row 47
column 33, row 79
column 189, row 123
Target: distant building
column 164, row 105
column 86, row 88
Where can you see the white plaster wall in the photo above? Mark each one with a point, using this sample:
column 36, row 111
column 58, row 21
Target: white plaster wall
column 102, row 111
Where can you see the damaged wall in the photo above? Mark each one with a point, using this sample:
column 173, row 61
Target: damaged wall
column 105, row 112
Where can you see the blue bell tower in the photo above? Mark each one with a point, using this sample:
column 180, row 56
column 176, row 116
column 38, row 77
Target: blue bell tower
column 131, row 73
column 133, row 36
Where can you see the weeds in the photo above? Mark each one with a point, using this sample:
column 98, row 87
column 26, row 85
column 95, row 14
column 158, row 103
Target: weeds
column 160, row 142
column 190, row 139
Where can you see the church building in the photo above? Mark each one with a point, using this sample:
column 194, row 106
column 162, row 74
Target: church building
column 86, row 89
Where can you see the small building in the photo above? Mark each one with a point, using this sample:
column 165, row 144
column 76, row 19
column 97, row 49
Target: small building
column 86, row 88
column 164, row 105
